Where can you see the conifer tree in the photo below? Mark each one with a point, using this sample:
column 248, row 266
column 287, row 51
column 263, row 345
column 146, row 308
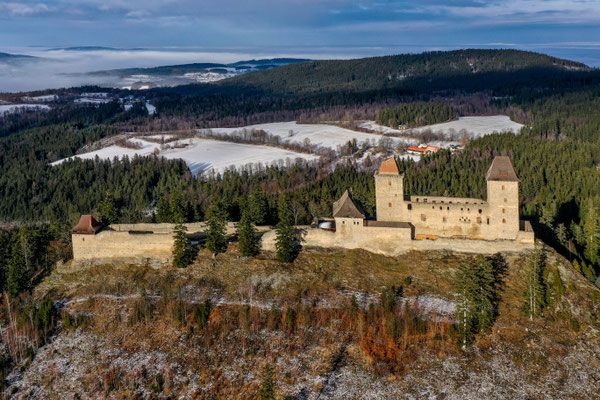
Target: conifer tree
column 163, row 211
column 257, row 206
column 267, row 385
column 216, row 217
column 476, row 282
column 467, row 310
column 177, row 206
column 182, row 248
column 247, row 235
column 286, row 243
column 109, row 212
column 535, row 285
column 16, row 270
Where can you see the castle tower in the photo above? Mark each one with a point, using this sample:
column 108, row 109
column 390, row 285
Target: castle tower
column 503, row 198
column 389, row 192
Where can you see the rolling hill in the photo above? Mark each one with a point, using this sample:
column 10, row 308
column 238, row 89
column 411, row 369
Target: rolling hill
column 453, row 69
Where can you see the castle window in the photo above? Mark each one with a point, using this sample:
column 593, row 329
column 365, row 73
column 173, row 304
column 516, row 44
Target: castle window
column 468, row 209
column 396, row 195
column 423, row 217
column 503, row 220
column 344, row 222
column 440, row 208
column 390, row 183
column 502, row 187
column 444, row 219
column 478, row 220
column 504, row 211
column 390, row 204
column 480, row 210
column 461, row 209
column 505, row 199
column 433, row 207
column 488, row 220
column 448, row 208
column 409, row 206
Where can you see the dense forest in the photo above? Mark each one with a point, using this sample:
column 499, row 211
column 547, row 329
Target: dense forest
column 556, row 156
column 416, row 114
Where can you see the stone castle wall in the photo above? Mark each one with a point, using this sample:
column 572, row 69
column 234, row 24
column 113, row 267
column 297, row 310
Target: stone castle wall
column 397, row 241
column 137, row 243
column 123, row 245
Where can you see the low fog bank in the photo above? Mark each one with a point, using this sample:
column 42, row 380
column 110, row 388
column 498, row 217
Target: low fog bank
column 54, row 69
column 59, row 68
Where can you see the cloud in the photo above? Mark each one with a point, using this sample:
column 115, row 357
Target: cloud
column 23, row 9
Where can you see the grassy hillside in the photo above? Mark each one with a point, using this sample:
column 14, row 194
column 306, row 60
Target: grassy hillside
column 405, row 70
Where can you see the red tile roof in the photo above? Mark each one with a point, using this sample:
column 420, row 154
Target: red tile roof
column 389, row 166
column 87, row 225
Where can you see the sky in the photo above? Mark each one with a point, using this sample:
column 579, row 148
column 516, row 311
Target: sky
column 229, row 30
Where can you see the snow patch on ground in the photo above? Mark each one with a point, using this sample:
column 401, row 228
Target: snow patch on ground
column 203, row 154
column 476, row 126
column 15, row 108
column 46, row 98
column 320, row 134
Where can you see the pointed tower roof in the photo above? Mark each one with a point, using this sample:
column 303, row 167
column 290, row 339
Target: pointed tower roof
column 346, row 207
column 389, row 166
column 501, row 170
column 87, row 225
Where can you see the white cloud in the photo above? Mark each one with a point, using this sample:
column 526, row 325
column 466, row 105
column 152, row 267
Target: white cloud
column 21, row 9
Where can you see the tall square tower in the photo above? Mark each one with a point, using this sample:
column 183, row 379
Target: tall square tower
column 389, row 192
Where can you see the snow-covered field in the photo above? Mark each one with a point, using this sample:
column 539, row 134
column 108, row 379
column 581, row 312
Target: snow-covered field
column 49, row 97
column 476, row 126
column 319, row 134
column 11, row 108
column 204, row 154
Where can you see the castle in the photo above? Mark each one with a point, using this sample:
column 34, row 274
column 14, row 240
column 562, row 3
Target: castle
column 402, row 224
column 427, row 223
column 451, row 217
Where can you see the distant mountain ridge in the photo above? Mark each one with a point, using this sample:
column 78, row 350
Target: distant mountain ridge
column 7, row 57
column 406, row 70
column 260, row 64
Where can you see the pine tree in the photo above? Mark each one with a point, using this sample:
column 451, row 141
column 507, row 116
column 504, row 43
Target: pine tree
column 257, row 206
column 177, row 206
column 182, row 248
column 535, row 285
column 16, row 270
column 163, row 211
column 476, row 282
column 286, row 243
column 267, row 385
column 109, row 212
column 486, row 281
column 590, row 221
column 467, row 310
column 216, row 241
column 247, row 235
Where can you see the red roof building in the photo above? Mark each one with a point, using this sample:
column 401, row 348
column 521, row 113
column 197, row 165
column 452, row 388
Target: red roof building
column 87, row 225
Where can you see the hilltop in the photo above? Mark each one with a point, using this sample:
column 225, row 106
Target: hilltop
column 471, row 67
column 133, row 331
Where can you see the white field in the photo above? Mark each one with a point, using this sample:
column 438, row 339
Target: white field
column 11, row 108
column 151, row 109
column 319, row 134
column 92, row 100
column 476, row 126
column 203, row 154
column 49, row 97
